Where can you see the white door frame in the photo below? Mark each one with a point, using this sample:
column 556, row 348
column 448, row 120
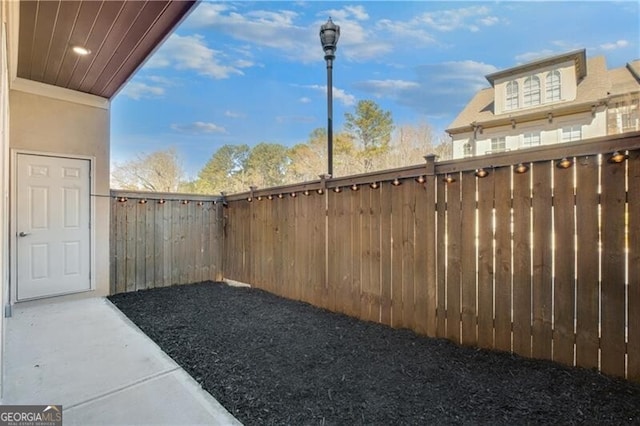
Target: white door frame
column 13, row 231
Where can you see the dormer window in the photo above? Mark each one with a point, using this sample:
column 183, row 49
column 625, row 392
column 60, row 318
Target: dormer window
column 512, row 95
column 553, row 86
column 468, row 151
column 531, row 92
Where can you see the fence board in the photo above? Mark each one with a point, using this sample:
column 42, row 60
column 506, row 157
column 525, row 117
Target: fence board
column 206, row 242
column 366, row 254
column 385, row 251
column 468, row 260
column 542, row 290
column 430, row 246
column 588, row 294
column 485, row 261
column 612, row 344
column 113, row 237
column 502, row 327
column 168, row 244
column 454, row 264
column 633, row 332
column 396, row 256
column 121, row 247
column 300, row 247
column 521, row 286
column 376, row 256
column 150, row 245
column 355, row 283
column 338, row 248
column 158, row 231
column 320, row 235
column 420, row 263
column 564, row 283
column 407, row 192
column 441, row 250
column 130, row 214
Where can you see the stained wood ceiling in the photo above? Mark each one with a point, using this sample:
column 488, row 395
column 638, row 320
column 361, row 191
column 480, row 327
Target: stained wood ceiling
column 119, row 34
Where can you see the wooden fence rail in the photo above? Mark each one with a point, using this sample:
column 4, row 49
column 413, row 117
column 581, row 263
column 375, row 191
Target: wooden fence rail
column 544, row 263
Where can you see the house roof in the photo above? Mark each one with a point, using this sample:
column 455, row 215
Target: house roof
column 121, row 35
column 597, row 85
column 578, row 56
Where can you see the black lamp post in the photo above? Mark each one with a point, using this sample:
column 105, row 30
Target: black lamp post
column 329, row 35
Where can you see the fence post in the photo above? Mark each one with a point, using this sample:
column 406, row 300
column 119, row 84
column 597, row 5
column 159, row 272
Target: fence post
column 431, row 256
column 220, row 225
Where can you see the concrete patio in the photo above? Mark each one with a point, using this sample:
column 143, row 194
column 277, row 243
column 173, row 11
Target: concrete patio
column 87, row 356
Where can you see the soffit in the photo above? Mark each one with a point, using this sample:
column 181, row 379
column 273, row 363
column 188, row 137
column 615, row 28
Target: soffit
column 119, row 34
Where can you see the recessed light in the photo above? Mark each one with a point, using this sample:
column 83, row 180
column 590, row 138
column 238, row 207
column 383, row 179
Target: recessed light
column 80, row 50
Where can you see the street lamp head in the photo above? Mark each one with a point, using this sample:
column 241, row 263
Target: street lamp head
column 329, row 35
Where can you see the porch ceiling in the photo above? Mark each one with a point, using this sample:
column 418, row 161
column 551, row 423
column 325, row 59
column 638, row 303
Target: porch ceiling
column 119, row 34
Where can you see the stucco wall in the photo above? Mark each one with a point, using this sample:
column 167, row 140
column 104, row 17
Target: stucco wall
column 44, row 124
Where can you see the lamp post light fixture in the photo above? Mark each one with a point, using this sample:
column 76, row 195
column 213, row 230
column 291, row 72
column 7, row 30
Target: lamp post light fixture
column 329, row 35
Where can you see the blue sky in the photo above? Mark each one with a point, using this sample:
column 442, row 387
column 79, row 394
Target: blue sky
column 239, row 72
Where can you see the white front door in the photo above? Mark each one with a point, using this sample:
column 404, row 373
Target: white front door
column 52, row 226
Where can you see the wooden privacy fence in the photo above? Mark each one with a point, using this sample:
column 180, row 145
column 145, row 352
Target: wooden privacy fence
column 544, row 263
column 164, row 239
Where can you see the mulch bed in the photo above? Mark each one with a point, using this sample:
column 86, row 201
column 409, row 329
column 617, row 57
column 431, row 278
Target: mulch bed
column 269, row 360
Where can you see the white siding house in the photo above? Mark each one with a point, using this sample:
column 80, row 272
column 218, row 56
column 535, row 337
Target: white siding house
column 558, row 99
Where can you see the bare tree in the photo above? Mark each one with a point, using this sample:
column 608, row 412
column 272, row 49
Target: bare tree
column 409, row 145
column 159, row 171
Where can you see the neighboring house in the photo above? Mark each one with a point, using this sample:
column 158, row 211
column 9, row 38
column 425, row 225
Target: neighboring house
column 553, row 100
column 54, row 136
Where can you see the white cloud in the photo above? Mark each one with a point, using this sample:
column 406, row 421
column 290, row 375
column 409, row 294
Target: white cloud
column 192, row 53
column 356, row 12
column 532, row 56
column 468, row 18
column 338, row 94
column 138, row 90
column 282, row 31
column 405, row 30
column 198, row 127
column 233, row 114
column 304, row 100
column 387, row 88
column 615, row 45
column 259, row 27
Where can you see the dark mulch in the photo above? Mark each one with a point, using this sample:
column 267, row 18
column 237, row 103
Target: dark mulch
column 274, row 361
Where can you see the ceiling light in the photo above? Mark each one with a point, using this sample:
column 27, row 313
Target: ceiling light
column 81, row 50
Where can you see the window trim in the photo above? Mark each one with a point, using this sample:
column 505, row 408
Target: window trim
column 531, row 93
column 553, row 86
column 512, row 96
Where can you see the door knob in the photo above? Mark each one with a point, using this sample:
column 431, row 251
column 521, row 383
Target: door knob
column 22, row 234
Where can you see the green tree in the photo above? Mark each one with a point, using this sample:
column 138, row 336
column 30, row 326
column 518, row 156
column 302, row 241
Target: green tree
column 225, row 171
column 159, row 171
column 371, row 127
column 267, row 165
